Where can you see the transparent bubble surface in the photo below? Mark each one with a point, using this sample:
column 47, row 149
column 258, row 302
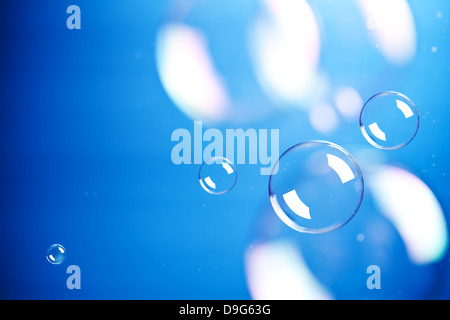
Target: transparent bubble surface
column 56, row 254
column 389, row 120
column 217, row 175
column 316, row 187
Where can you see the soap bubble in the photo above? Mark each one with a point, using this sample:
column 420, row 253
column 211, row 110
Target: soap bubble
column 204, row 61
column 56, row 254
column 316, row 187
column 217, row 175
column 389, row 120
column 390, row 231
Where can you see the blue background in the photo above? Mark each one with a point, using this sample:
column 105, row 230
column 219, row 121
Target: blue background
column 85, row 131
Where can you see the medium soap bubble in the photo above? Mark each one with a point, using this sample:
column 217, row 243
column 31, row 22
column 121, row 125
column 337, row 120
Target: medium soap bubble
column 316, row 187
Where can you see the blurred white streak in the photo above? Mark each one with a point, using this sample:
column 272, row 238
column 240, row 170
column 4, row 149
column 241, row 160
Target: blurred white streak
column 392, row 27
column 188, row 73
column 414, row 210
column 227, row 167
column 277, row 271
column 294, row 202
column 285, row 44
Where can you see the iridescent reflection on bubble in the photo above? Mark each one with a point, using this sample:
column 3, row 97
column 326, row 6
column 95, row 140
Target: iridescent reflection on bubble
column 217, row 175
column 316, row 187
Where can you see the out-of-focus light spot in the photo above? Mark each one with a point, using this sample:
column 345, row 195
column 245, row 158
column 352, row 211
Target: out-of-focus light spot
column 323, row 118
column 360, row 237
column 392, row 27
column 369, row 158
column 414, row 210
column 349, row 102
column 285, row 43
column 188, row 74
column 434, row 49
column 277, row 271
column 439, row 15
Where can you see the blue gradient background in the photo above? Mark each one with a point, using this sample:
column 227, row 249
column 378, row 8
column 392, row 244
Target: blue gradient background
column 85, row 134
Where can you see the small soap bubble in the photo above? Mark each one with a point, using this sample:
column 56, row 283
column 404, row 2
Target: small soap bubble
column 316, row 187
column 389, row 120
column 56, row 254
column 217, row 175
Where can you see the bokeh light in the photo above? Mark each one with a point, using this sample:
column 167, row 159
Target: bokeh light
column 389, row 120
column 56, row 254
column 316, row 187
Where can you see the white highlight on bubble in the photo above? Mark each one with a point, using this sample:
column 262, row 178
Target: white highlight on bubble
column 278, row 271
column 349, row 102
column 188, row 73
column 294, row 202
column 414, row 210
column 323, row 118
column 392, row 28
column 209, row 182
column 227, row 168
